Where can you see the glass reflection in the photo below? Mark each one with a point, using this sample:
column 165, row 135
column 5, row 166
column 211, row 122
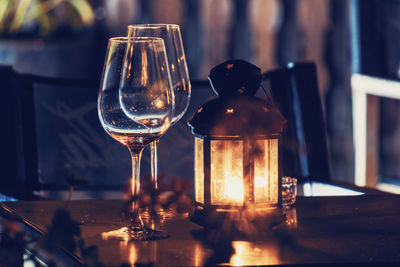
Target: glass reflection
column 199, row 255
column 253, row 254
column 291, row 217
column 139, row 253
column 133, row 255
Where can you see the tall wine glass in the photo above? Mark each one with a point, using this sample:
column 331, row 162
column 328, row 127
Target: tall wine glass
column 171, row 35
column 135, row 107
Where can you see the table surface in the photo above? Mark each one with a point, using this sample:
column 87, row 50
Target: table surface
column 338, row 229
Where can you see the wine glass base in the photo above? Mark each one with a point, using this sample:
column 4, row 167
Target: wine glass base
column 128, row 233
column 163, row 214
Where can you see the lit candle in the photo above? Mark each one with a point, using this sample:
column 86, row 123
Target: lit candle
column 234, row 192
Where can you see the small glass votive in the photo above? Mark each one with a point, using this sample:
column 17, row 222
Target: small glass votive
column 289, row 190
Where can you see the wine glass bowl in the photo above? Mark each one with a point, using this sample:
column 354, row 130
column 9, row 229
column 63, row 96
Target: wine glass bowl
column 179, row 73
column 135, row 107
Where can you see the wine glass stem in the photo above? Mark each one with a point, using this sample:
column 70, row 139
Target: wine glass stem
column 136, row 155
column 154, row 162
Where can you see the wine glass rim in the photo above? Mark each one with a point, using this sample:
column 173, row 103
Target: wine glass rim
column 156, row 25
column 125, row 39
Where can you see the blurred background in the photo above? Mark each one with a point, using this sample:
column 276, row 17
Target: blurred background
column 68, row 38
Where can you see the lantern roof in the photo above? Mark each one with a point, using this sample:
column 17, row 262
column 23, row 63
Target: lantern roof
column 237, row 112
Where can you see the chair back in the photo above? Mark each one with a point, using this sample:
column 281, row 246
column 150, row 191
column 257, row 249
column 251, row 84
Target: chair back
column 304, row 142
column 56, row 135
column 17, row 142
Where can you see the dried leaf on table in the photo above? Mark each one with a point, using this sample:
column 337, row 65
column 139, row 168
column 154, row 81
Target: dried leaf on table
column 168, row 197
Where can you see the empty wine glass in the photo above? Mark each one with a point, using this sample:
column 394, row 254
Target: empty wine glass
column 135, row 107
column 171, row 35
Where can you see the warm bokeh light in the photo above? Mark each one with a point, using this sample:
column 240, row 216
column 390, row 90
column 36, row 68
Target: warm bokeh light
column 158, row 103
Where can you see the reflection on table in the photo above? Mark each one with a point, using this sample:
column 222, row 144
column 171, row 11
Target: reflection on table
column 308, row 189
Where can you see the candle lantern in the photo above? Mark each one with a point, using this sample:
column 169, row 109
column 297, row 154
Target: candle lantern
column 236, row 143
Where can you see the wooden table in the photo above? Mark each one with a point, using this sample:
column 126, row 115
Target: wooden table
column 342, row 229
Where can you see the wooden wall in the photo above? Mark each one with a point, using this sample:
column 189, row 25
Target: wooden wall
column 270, row 33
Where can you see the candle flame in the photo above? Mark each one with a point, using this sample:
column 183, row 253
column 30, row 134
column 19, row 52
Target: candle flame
column 234, row 191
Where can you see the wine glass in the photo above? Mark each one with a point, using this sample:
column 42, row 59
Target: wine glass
column 171, row 35
column 135, row 107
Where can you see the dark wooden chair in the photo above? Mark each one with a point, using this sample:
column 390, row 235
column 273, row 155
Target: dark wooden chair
column 53, row 134
column 24, row 113
column 13, row 169
column 304, row 143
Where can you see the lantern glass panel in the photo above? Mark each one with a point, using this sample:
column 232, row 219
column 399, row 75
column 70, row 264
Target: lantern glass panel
column 227, row 172
column 266, row 171
column 199, row 169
